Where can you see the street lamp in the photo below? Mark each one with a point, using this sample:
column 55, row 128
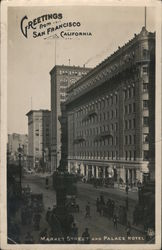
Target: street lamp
column 20, row 153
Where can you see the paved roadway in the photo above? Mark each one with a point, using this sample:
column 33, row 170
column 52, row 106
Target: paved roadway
column 101, row 228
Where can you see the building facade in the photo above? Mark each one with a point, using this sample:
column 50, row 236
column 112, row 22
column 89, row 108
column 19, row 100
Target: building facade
column 61, row 78
column 14, row 141
column 111, row 115
column 39, row 127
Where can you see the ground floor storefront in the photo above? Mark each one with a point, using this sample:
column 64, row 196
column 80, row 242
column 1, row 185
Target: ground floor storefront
column 122, row 173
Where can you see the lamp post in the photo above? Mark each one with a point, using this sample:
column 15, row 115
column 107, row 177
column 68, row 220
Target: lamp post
column 20, row 152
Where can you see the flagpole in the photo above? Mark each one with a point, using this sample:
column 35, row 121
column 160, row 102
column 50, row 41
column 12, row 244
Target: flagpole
column 145, row 16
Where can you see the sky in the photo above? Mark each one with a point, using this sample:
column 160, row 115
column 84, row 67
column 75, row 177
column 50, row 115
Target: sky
column 31, row 59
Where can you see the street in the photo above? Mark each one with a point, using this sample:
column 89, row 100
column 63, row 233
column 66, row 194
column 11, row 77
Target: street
column 101, row 228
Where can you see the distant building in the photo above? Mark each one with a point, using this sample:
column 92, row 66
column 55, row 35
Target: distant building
column 61, row 78
column 14, row 141
column 39, row 122
column 111, row 115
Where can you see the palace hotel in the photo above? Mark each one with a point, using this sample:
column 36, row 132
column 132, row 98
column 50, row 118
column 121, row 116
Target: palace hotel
column 111, row 115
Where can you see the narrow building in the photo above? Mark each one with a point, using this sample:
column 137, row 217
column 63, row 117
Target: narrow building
column 61, row 78
column 39, row 122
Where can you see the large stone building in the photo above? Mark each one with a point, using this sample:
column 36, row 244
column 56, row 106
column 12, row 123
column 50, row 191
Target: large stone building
column 61, row 78
column 14, row 141
column 39, row 127
column 111, row 115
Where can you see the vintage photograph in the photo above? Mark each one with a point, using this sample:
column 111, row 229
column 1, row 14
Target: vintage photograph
column 81, row 124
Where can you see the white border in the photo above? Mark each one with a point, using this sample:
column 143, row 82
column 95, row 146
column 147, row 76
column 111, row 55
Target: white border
column 3, row 127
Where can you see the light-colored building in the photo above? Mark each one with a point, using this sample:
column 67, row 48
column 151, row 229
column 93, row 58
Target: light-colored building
column 61, row 78
column 39, row 122
column 14, row 141
column 111, row 115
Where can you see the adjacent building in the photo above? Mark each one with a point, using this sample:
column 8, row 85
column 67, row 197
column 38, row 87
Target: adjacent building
column 111, row 115
column 39, row 127
column 61, row 78
column 14, row 141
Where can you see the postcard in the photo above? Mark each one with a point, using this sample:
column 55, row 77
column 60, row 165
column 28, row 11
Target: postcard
column 80, row 124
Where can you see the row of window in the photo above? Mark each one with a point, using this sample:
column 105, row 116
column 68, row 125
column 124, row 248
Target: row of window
column 130, row 124
column 72, row 73
column 107, row 154
column 98, row 130
column 129, row 93
column 113, row 114
column 103, row 142
column 98, row 105
column 130, row 139
column 130, row 108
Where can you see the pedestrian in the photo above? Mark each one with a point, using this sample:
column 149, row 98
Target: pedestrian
column 86, row 236
column 128, row 229
column 126, row 189
column 29, row 238
column 74, row 233
column 87, row 210
column 47, row 181
column 115, row 221
column 48, row 214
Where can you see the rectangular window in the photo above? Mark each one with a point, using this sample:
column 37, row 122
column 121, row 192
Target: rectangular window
column 134, row 155
column 129, row 92
column 112, row 113
column 145, row 104
column 130, row 139
column 145, row 155
column 145, row 138
column 130, row 155
column 116, row 99
column 126, row 109
column 126, row 124
column 134, row 123
column 134, row 139
column 145, row 54
column 130, row 108
column 125, row 94
column 134, row 107
column 126, row 140
column 145, row 121
column 130, row 124
column 116, row 113
column 145, row 87
column 133, row 91
column 145, row 70
column 126, row 155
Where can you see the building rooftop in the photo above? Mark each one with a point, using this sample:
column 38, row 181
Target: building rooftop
column 110, row 59
column 39, row 110
column 68, row 67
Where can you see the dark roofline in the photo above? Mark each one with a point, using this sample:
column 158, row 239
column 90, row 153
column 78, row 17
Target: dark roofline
column 40, row 110
column 67, row 66
column 109, row 59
